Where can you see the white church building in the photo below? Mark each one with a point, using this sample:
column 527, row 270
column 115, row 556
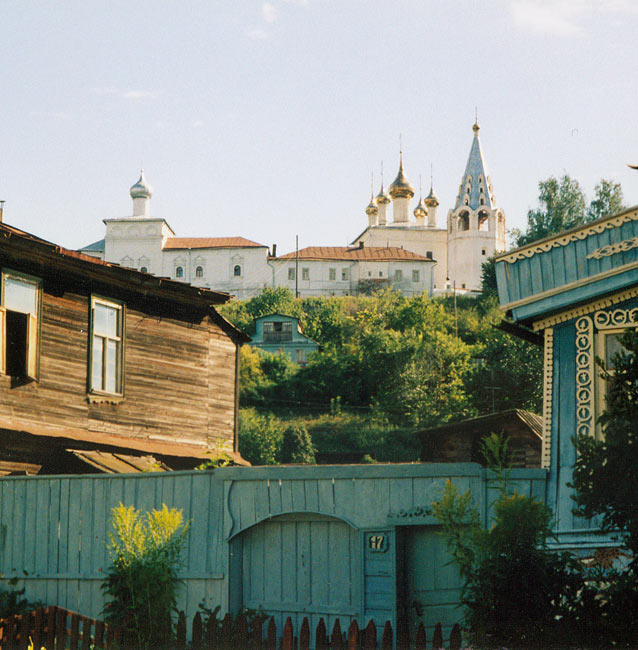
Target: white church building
column 474, row 230
column 412, row 256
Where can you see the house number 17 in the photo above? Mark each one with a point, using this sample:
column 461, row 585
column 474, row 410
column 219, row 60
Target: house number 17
column 377, row 543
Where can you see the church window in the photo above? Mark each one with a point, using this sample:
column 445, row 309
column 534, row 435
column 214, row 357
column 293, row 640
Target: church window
column 415, row 275
column 179, row 272
column 380, row 274
column 463, row 285
column 428, row 254
column 483, row 252
column 305, row 273
column 482, row 201
column 199, row 272
column 467, row 202
column 291, row 273
column 464, row 221
column 332, row 274
column 237, row 271
column 144, row 269
column 19, row 313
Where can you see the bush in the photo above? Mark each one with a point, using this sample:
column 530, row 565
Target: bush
column 517, row 591
column 297, row 446
column 260, row 437
column 12, row 600
column 141, row 586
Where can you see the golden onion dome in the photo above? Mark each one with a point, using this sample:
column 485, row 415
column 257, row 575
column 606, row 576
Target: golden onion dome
column 382, row 197
column 430, row 200
column 372, row 207
column 421, row 210
column 141, row 189
column 401, row 188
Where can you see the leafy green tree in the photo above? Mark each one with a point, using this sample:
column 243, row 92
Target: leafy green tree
column 563, row 205
column 608, row 199
column 141, row 584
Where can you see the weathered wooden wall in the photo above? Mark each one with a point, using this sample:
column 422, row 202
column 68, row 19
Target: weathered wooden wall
column 294, row 539
column 179, row 378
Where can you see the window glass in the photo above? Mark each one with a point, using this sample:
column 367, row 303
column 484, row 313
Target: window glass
column 415, row 275
column 20, row 295
column 305, row 274
column 179, row 272
column 291, row 273
column 398, row 275
column 237, row 270
column 106, row 347
column 333, row 274
column 199, row 272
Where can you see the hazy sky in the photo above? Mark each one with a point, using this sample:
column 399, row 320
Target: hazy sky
column 265, row 119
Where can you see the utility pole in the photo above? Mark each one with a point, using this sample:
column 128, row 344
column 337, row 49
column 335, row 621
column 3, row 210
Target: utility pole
column 296, row 266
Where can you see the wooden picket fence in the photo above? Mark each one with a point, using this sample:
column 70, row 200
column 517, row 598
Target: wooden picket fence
column 238, row 634
column 56, row 627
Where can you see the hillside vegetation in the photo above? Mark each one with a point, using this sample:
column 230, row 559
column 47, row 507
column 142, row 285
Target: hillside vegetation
column 387, row 366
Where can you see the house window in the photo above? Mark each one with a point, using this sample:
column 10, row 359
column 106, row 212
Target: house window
column 237, row 271
column 398, row 275
column 179, row 272
column 291, row 273
column 19, row 312
column 415, row 275
column 300, row 356
column 106, row 346
column 278, row 332
column 305, row 274
column 199, row 272
column 144, row 269
column 380, row 274
column 332, row 274
column 344, row 274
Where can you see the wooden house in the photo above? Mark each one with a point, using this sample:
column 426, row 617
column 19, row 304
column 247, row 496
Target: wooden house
column 101, row 366
column 460, row 442
column 280, row 333
column 579, row 291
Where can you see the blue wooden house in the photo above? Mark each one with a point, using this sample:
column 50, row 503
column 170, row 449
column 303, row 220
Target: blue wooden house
column 280, row 333
column 579, row 290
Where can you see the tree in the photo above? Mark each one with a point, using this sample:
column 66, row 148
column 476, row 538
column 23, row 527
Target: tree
column 297, row 445
column 563, row 205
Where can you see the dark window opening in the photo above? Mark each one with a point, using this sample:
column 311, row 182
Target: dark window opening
column 179, row 272
column 199, row 272
column 237, row 271
column 17, row 337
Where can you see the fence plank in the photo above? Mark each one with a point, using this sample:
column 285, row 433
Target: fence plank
column 321, row 636
column 60, row 628
column 180, row 641
column 403, row 633
column 255, row 636
column 75, row 632
column 304, row 635
column 437, row 639
column 386, row 638
column 336, row 640
column 241, row 631
column 420, row 640
column 226, row 641
column 51, row 616
column 370, row 636
column 99, row 635
column 271, row 635
column 455, row 637
column 87, row 624
column 25, row 621
column 286, row 641
column 38, row 625
column 353, row 636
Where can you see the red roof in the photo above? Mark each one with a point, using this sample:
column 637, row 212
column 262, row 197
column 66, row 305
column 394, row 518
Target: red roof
column 210, row 242
column 365, row 254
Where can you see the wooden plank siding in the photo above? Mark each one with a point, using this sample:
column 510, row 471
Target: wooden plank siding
column 292, row 539
column 179, row 379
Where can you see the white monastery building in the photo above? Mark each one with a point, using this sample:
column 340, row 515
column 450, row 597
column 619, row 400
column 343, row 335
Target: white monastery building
column 412, row 256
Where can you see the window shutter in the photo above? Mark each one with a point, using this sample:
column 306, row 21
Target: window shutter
column 32, row 347
column 3, row 342
column 89, row 377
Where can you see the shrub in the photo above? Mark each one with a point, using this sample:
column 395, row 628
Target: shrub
column 296, row 445
column 260, row 437
column 517, row 591
column 141, row 586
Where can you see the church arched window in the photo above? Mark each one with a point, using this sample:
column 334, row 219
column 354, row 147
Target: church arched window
column 464, row 220
column 179, row 272
column 237, row 270
column 199, row 272
column 143, row 269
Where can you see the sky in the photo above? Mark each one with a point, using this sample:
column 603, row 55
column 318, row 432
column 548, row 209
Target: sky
column 267, row 119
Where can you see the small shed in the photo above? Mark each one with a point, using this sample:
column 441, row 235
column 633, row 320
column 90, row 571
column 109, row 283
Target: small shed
column 460, row 442
column 280, row 333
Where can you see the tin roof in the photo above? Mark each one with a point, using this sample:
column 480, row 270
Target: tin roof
column 210, row 242
column 365, row 254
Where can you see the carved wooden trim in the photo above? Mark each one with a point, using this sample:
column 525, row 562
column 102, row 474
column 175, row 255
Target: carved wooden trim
column 585, row 376
column 548, row 381
column 613, row 249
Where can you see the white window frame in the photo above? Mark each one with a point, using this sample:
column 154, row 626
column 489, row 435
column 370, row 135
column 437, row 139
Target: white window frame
column 33, row 325
column 120, row 339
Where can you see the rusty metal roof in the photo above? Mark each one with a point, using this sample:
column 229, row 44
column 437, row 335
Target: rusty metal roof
column 210, row 242
column 365, row 254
